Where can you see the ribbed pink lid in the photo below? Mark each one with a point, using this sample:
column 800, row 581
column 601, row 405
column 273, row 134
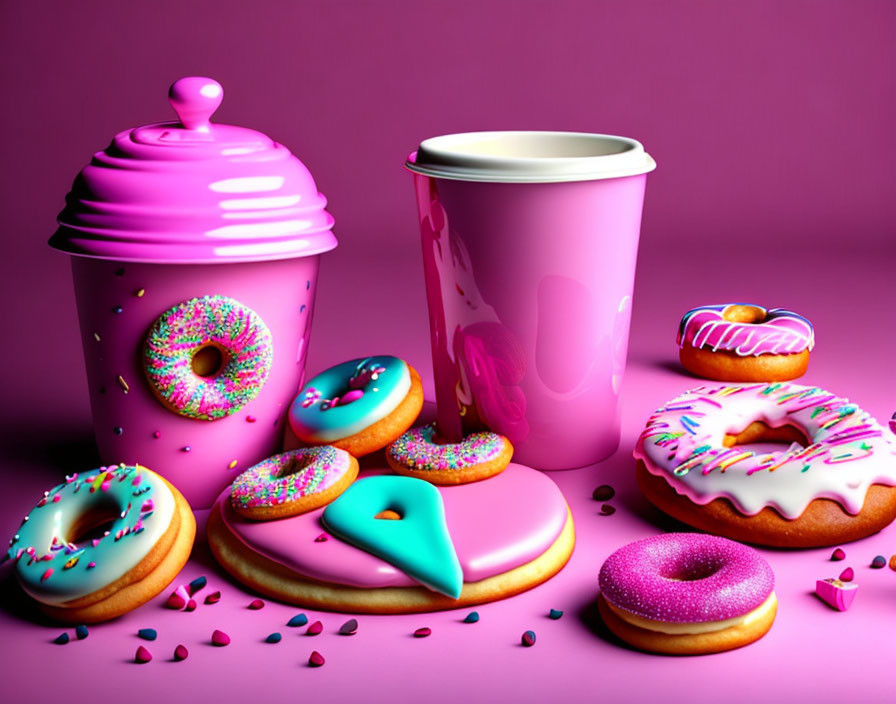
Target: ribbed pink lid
column 194, row 192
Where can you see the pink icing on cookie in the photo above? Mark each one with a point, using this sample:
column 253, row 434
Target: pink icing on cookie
column 686, row 578
column 495, row 525
column 781, row 331
column 304, row 471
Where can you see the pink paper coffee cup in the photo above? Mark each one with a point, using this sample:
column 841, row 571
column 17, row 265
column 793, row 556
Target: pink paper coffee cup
column 529, row 247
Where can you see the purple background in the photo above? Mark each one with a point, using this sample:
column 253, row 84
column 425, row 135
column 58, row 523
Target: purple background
column 772, row 124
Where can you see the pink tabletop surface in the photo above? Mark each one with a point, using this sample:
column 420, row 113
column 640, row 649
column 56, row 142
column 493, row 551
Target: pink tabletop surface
column 772, row 126
column 810, row 650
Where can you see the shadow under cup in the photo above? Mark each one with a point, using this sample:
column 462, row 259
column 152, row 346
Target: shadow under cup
column 529, row 246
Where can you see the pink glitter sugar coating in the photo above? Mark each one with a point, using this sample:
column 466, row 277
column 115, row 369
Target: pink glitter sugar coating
column 416, row 450
column 261, row 485
column 686, row 578
column 237, row 332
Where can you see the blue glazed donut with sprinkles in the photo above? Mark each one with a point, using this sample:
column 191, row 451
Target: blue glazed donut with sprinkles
column 359, row 406
column 772, row 464
column 102, row 544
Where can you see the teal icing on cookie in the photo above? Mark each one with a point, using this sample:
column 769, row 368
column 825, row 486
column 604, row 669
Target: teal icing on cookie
column 53, row 568
column 418, row 543
column 345, row 399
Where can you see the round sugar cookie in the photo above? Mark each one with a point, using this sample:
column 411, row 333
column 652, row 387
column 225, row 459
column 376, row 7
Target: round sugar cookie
column 504, row 535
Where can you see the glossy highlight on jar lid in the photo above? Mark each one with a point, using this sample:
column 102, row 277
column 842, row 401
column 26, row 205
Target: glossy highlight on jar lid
column 194, row 191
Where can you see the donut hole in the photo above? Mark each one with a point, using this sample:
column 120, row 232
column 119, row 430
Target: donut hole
column 738, row 313
column 389, row 514
column 94, row 523
column 691, row 569
column 759, row 437
column 208, row 361
column 294, row 466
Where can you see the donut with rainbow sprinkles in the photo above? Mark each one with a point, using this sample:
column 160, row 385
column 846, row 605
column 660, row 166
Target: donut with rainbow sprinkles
column 833, row 480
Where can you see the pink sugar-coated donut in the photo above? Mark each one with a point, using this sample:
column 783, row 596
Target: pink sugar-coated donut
column 686, row 578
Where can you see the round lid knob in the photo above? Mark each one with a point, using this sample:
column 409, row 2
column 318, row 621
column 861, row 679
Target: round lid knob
column 194, row 99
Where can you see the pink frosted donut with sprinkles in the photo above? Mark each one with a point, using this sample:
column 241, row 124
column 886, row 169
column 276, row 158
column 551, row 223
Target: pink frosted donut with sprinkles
column 745, row 342
column 829, row 478
column 293, row 482
column 687, row 594
column 208, row 357
column 478, row 456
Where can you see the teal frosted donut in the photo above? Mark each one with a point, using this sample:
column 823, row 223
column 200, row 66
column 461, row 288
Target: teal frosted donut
column 343, row 400
column 207, row 357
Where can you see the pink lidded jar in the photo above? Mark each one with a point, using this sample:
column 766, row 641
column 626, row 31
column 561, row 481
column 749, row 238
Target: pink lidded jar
column 195, row 256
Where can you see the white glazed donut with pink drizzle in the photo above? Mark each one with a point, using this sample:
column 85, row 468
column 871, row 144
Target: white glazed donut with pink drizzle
column 745, row 342
column 690, row 455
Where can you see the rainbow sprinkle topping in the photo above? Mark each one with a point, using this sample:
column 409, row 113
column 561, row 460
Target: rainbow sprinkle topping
column 239, row 335
column 417, row 450
column 289, row 476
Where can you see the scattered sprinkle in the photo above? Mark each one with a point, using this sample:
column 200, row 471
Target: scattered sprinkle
column 422, row 632
column 91, row 565
column 835, row 593
column 316, row 659
column 314, row 629
column 838, row 555
column 181, row 653
column 118, row 430
column 123, row 384
column 256, row 604
column 273, row 638
column 607, row 510
column 472, row 617
column 251, row 419
column 117, row 309
column 96, row 336
column 603, row 493
column 349, row 628
column 213, row 598
column 233, row 463
column 297, row 620
column 119, row 272
column 142, row 656
column 196, row 585
column 220, row 638
column 893, row 562
column 555, row 614
column 81, row 631
column 46, row 575
column 191, row 605
column 61, row 639
column 528, row 639
column 147, row 633
column 140, row 292
column 322, row 538
column 186, row 448
column 176, row 601
column 157, row 435
column 878, row 562
column 847, row 575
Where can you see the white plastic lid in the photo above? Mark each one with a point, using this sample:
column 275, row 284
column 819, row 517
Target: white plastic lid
column 530, row 157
